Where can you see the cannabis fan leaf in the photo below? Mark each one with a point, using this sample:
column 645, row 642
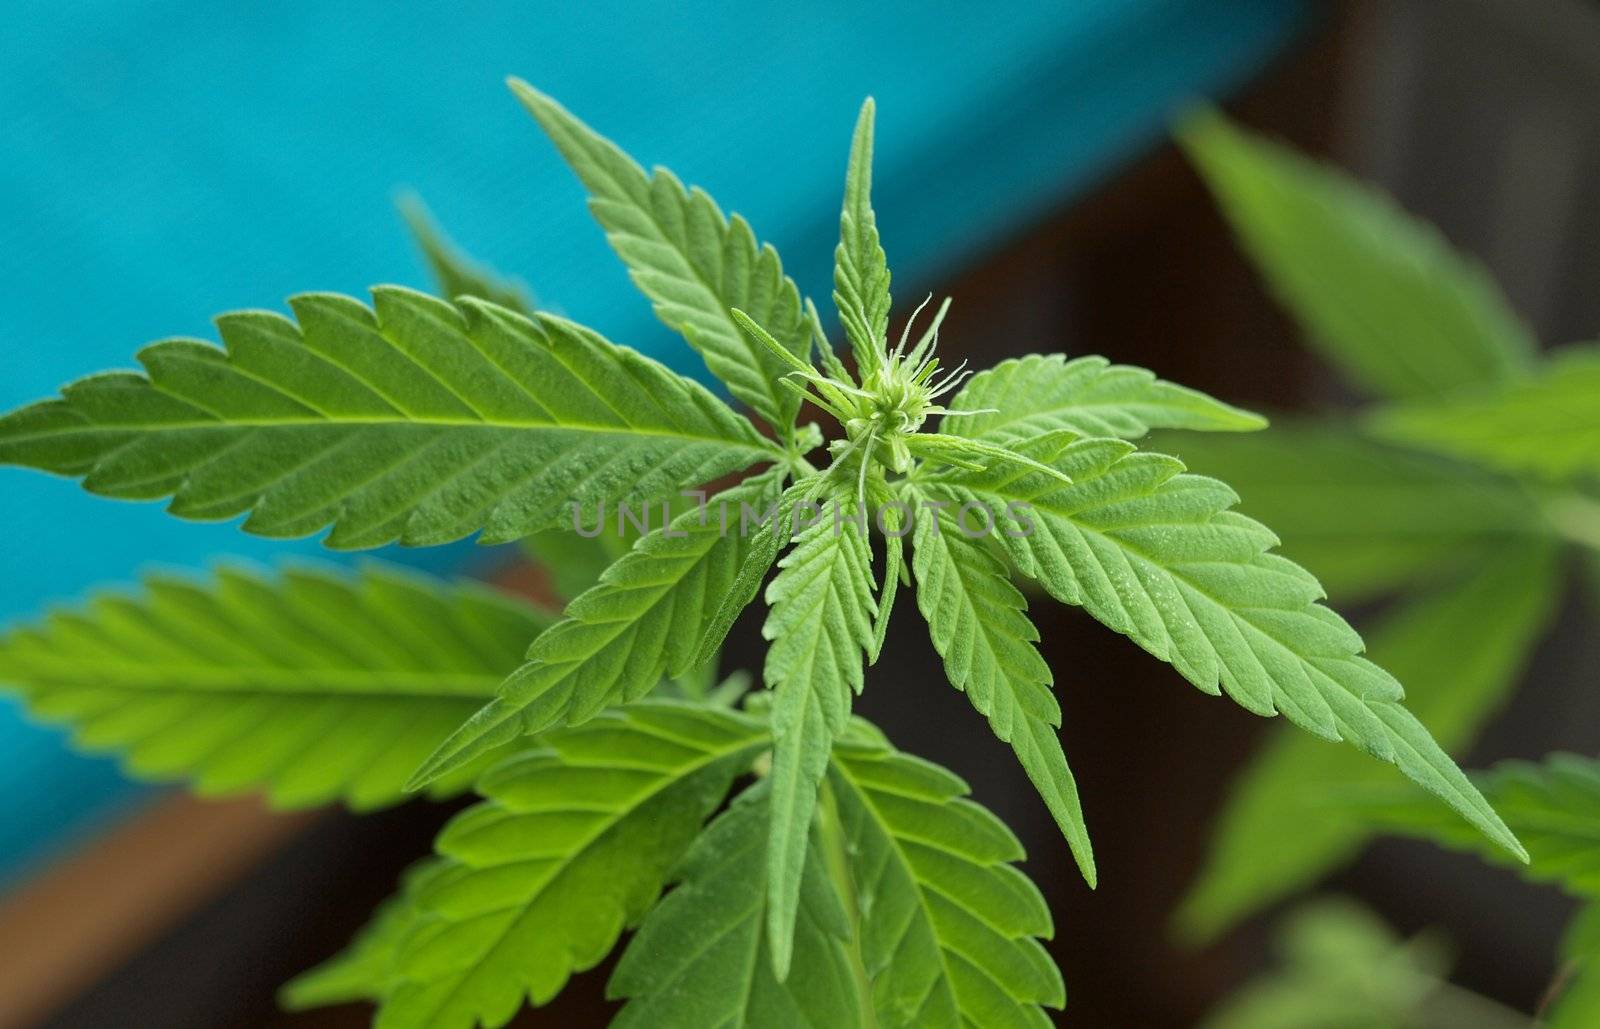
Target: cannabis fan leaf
column 1547, row 427
column 1553, row 805
column 415, row 420
column 676, row 971
column 1380, row 294
column 313, row 687
column 572, row 844
column 1460, row 646
column 847, row 883
column 949, row 928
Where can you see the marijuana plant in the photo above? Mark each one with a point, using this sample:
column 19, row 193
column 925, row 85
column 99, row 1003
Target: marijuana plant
column 846, row 883
column 1465, row 494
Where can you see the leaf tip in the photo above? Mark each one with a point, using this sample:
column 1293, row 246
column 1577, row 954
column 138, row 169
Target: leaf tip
column 481, row 732
column 1249, row 421
column 781, row 945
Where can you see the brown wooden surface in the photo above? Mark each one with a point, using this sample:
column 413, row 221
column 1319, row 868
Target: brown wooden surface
column 85, row 914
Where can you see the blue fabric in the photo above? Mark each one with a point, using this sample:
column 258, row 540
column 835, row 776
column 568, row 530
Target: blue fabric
column 168, row 159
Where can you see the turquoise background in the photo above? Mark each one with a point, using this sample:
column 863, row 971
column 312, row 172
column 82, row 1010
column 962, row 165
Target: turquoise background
column 164, row 161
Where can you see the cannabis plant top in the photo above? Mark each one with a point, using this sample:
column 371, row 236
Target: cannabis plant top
column 849, row 884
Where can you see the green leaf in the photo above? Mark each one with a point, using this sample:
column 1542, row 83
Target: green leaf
column 1577, row 1006
column 1380, row 294
column 691, row 261
column 1547, row 427
column 701, row 957
column 365, row 970
column 572, row 844
column 1364, row 517
column 1030, row 396
column 315, row 687
column 860, row 269
column 1158, row 556
column 456, row 274
column 1460, row 649
column 894, row 528
column 419, row 420
column 948, row 926
column 1341, row 967
column 572, row 562
column 820, row 625
column 979, row 626
column 642, row 621
column 1554, row 806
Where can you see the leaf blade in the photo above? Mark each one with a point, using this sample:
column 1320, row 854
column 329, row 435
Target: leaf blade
column 1042, row 393
column 1553, row 804
column 454, row 272
column 415, row 420
column 1364, row 517
column 819, row 624
column 677, row 245
column 314, row 687
column 950, row 929
column 979, row 626
column 701, row 959
column 860, row 268
column 1547, row 427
